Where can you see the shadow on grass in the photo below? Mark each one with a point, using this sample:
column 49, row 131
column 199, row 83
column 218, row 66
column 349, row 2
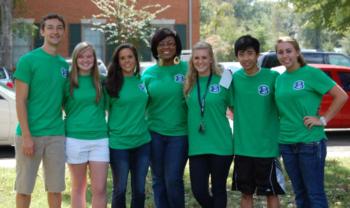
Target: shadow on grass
column 337, row 183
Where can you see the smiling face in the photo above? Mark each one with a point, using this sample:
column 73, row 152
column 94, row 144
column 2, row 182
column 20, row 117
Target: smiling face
column 127, row 61
column 85, row 61
column 287, row 55
column 248, row 59
column 166, row 48
column 52, row 32
column 202, row 61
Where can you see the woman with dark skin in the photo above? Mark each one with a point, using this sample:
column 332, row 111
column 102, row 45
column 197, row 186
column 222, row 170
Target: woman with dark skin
column 166, row 115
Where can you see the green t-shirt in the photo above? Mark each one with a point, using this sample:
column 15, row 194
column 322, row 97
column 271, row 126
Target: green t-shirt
column 45, row 76
column 217, row 136
column 127, row 124
column 85, row 119
column 166, row 112
column 256, row 124
column 299, row 94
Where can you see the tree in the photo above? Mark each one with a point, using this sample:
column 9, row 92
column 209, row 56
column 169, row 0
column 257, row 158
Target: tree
column 6, row 33
column 345, row 43
column 124, row 21
column 219, row 27
column 9, row 28
column 329, row 14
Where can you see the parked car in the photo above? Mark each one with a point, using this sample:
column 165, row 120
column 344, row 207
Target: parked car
column 232, row 66
column 6, row 77
column 8, row 118
column 186, row 55
column 269, row 59
column 101, row 66
column 341, row 75
column 145, row 64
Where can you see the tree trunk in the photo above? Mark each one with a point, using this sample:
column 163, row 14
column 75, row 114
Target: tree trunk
column 6, row 34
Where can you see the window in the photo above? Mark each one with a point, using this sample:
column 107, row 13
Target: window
column 2, row 73
column 96, row 38
column 328, row 73
column 345, row 80
column 22, row 38
column 313, row 58
column 168, row 23
column 339, row 59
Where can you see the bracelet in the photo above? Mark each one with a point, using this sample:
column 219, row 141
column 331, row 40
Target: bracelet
column 323, row 121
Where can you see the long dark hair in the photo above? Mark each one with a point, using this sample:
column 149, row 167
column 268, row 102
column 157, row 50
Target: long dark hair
column 115, row 78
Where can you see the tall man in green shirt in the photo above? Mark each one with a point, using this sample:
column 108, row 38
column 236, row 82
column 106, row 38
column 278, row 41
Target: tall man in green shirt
column 40, row 78
column 255, row 127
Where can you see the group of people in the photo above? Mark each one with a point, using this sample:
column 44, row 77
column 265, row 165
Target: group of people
column 172, row 112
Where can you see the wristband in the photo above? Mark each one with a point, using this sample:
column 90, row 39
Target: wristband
column 323, row 121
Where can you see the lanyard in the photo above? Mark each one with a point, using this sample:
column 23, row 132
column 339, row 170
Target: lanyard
column 201, row 100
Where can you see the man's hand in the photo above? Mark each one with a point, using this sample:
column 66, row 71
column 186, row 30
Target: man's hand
column 27, row 146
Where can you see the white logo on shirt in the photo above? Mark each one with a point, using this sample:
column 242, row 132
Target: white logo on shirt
column 214, row 88
column 179, row 78
column 64, row 72
column 299, row 85
column 142, row 87
column 263, row 90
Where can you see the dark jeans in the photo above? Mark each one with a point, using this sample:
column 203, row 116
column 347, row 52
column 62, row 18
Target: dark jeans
column 168, row 160
column 136, row 161
column 215, row 166
column 304, row 163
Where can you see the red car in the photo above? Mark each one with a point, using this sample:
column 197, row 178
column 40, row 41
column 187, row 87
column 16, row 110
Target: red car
column 341, row 75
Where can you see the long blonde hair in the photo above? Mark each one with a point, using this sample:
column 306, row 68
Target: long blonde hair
column 74, row 72
column 192, row 73
column 295, row 44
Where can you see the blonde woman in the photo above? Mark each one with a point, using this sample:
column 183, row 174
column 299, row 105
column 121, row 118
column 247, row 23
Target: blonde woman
column 86, row 128
column 209, row 132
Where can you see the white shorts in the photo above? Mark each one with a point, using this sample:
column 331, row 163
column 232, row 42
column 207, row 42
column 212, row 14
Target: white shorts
column 80, row 151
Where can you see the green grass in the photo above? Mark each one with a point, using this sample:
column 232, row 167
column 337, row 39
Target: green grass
column 337, row 187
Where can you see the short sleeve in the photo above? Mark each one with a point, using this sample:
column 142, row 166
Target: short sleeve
column 322, row 83
column 230, row 96
column 24, row 70
column 106, row 98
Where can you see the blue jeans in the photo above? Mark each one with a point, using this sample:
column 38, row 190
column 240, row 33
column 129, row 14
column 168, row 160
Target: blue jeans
column 136, row 161
column 215, row 166
column 168, row 161
column 304, row 163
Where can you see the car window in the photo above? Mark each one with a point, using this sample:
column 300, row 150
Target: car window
column 338, row 59
column 313, row 58
column 2, row 73
column 270, row 60
column 328, row 73
column 345, row 80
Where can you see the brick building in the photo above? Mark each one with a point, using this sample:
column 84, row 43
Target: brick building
column 183, row 16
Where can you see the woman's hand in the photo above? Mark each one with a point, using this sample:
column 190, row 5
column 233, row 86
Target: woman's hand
column 310, row 121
